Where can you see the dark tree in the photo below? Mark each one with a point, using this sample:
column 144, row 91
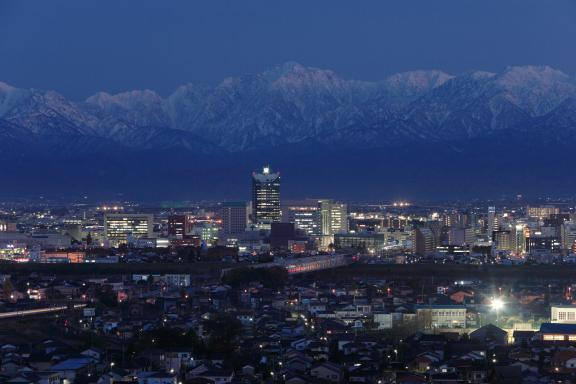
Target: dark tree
column 223, row 331
column 274, row 277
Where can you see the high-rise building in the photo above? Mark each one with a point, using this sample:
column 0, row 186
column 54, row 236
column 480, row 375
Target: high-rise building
column 503, row 240
column 425, row 241
column 334, row 217
column 265, row 197
column 453, row 220
column 542, row 212
column 234, row 215
column 470, row 219
column 568, row 235
column 461, row 236
column 179, row 226
column 207, row 232
column 305, row 215
column 519, row 239
column 542, row 243
column 119, row 228
column 317, row 217
column 491, row 222
column 333, row 220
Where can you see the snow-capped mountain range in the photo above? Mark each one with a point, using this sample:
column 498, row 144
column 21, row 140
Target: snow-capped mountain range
column 429, row 124
column 294, row 104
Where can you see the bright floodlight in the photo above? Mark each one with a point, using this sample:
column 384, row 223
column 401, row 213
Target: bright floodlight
column 497, row 304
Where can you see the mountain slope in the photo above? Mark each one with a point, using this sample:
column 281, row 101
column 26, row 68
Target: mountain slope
column 419, row 129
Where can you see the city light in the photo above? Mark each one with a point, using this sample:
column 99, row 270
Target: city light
column 497, row 304
column 289, row 223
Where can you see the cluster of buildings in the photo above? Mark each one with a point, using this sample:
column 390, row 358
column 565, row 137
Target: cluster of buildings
column 241, row 319
column 163, row 328
column 538, row 234
column 396, row 232
column 262, row 225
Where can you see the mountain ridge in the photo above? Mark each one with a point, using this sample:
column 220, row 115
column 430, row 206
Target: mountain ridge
column 428, row 124
column 293, row 103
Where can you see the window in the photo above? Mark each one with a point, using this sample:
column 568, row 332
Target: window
column 561, row 315
column 571, row 315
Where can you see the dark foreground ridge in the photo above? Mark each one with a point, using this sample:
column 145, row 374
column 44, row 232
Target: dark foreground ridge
column 387, row 272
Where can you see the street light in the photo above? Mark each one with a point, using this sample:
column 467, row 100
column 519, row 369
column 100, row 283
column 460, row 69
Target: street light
column 497, row 305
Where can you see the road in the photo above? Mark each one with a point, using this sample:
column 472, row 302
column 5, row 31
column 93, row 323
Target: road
column 37, row 311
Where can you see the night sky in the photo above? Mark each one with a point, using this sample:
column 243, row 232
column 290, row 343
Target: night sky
column 80, row 47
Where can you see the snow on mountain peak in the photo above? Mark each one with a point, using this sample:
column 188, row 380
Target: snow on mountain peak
column 293, row 103
column 125, row 100
column 419, row 79
column 538, row 89
column 296, row 76
column 482, row 75
column 530, row 74
column 11, row 97
column 4, row 87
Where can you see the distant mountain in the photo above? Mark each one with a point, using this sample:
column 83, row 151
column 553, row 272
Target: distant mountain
column 294, row 114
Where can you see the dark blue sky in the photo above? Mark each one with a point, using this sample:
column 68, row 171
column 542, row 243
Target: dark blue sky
column 80, row 47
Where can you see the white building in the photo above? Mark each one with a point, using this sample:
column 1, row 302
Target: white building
column 563, row 314
column 384, row 320
column 441, row 316
column 122, row 228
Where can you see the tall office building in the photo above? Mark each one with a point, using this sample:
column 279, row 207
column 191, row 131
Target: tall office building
column 304, row 214
column 425, row 241
column 519, row 239
column 461, row 236
column 265, row 197
column 334, row 217
column 503, row 240
column 333, row 220
column 470, row 219
column 119, row 228
column 491, row 222
column 234, row 215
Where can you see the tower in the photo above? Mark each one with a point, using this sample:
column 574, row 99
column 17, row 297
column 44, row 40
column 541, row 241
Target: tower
column 265, row 197
column 491, row 222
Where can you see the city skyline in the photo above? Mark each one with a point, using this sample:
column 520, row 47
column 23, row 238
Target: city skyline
column 257, row 192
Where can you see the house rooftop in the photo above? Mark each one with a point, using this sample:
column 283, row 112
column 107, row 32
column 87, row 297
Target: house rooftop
column 558, row 328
